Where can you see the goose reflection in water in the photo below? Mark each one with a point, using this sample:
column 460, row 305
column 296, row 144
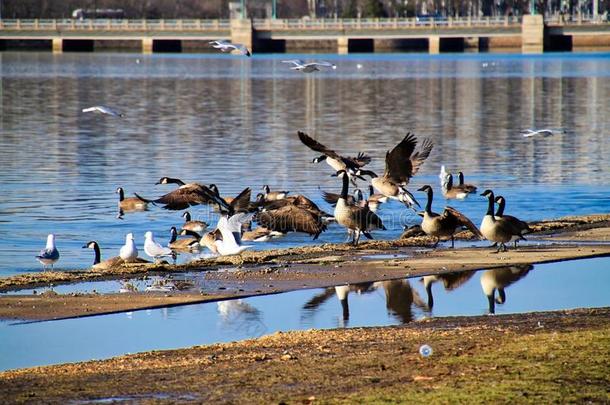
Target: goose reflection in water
column 500, row 278
column 341, row 292
column 240, row 316
column 451, row 281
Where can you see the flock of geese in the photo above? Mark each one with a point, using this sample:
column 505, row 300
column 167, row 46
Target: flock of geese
column 277, row 212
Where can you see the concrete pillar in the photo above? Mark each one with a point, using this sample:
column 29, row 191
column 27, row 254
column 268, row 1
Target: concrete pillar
column 532, row 34
column 342, row 45
column 147, row 45
column 57, row 45
column 434, row 45
column 242, row 32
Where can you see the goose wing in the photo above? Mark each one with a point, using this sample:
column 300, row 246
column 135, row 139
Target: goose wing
column 398, row 166
column 453, row 280
column 189, row 195
column 321, row 63
column 358, row 161
column 317, row 146
column 461, row 219
column 291, row 218
column 296, row 62
column 420, row 156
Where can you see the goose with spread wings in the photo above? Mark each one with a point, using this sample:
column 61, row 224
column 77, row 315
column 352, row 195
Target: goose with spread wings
column 401, row 163
column 308, row 67
column 350, row 164
column 226, row 46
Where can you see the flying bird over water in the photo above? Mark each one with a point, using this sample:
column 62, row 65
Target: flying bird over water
column 102, row 109
column 49, row 255
column 308, row 67
column 226, row 46
column 545, row 132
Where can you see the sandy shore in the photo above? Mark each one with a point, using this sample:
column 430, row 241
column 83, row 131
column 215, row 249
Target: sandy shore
column 307, row 267
column 556, row 357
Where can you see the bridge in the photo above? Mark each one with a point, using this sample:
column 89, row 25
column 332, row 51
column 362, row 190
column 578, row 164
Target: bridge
column 532, row 33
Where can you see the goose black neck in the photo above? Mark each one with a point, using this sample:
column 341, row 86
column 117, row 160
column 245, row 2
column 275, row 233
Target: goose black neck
column 491, row 302
column 370, row 173
column 187, row 216
column 121, row 194
column 345, row 187
column 98, row 255
column 371, row 190
column 430, row 297
column 450, row 182
column 461, row 178
column 490, row 205
column 429, row 202
column 500, row 210
column 192, row 233
column 176, row 181
column 173, row 236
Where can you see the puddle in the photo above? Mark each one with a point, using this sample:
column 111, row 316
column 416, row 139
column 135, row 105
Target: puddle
column 514, row 289
column 386, row 256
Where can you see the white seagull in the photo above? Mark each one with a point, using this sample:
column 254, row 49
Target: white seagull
column 102, row 109
column 533, row 132
column 154, row 249
column 50, row 254
column 226, row 46
column 129, row 251
column 308, row 67
column 229, row 242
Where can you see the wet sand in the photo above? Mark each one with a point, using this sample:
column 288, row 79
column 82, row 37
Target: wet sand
column 308, row 267
column 552, row 357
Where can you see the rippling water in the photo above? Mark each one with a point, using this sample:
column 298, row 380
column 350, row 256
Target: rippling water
column 233, row 121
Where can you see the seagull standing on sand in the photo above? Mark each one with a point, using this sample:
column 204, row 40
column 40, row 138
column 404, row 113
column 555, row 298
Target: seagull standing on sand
column 154, row 249
column 308, row 67
column 102, row 109
column 226, row 46
column 50, row 254
column 129, row 251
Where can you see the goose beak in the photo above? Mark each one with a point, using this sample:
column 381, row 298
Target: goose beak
column 84, row 247
column 422, row 188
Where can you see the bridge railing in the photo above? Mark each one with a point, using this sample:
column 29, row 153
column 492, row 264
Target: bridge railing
column 113, row 25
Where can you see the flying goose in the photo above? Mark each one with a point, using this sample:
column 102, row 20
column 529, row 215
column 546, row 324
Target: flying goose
column 182, row 245
column 453, row 192
column 523, row 227
column 196, row 226
column 293, row 218
column 497, row 230
column 226, row 46
column 130, row 203
column 154, row 249
column 471, row 188
column 97, row 263
column 49, row 255
column 273, row 195
column 129, row 251
column 308, row 67
column 102, row 109
column 334, row 160
column 451, row 281
column 444, row 225
column 400, row 165
column 190, row 194
column 360, row 220
column 500, row 278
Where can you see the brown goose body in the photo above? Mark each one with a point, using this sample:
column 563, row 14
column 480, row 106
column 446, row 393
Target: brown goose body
column 470, row 188
column 497, row 230
column 187, row 243
column 98, row 264
column 260, row 234
column 195, row 226
column 293, row 218
column 520, row 226
column 130, row 203
column 451, row 191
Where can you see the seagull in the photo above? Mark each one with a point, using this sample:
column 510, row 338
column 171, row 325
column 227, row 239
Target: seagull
column 308, row 67
column 154, row 249
column 226, row 239
column 533, row 132
column 50, row 254
column 102, row 109
column 129, row 251
column 226, row 46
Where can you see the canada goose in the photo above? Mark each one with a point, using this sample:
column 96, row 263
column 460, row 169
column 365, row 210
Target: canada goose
column 196, row 226
column 451, row 281
column 361, row 220
column 308, row 67
column 444, row 225
column 226, row 239
column 97, row 263
column 260, row 234
column 273, row 195
column 129, row 251
column 499, row 279
column 400, row 297
column 354, row 199
column 453, row 192
column 411, row 232
column 297, row 200
column 226, row 46
column 182, row 245
column 187, row 195
column 471, row 188
column 154, row 249
column 400, row 165
column 497, row 230
column 293, row 218
column 375, row 200
column 334, row 160
column 102, row 109
column 49, row 255
column 522, row 226
column 130, row 203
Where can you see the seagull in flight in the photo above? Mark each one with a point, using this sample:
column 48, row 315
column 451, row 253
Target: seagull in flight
column 527, row 133
column 102, row 109
column 226, row 46
column 308, row 67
